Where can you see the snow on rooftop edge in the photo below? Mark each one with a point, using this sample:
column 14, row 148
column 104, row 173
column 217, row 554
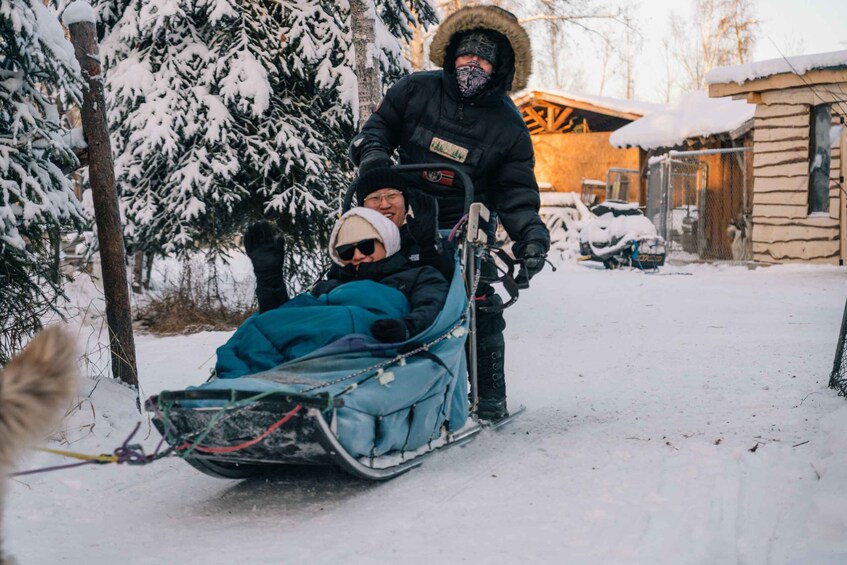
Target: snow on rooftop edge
column 79, row 11
column 694, row 115
column 617, row 104
column 800, row 65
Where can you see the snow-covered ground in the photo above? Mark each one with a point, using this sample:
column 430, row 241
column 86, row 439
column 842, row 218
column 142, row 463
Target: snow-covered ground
column 680, row 417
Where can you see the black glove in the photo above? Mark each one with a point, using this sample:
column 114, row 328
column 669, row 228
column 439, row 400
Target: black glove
column 422, row 218
column 267, row 253
column 533, row 255
column 390, row 330
column 265, row 250
column 374, row 159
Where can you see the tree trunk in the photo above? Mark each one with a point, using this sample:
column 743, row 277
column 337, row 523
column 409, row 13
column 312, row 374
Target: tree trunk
column 148, row 269
column 415, row 50
column 137, row 271
column 362, row 23
column 56, row 247
column 105, row 197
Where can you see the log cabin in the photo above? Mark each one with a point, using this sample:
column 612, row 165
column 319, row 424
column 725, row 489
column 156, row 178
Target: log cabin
column 570, row 134
column 711, row 126
column 799, row 205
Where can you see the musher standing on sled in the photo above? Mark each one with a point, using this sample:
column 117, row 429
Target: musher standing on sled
column 462, row 115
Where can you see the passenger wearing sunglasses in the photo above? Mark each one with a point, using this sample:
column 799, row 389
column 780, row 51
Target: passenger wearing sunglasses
column 365, row 245
column 375, row 290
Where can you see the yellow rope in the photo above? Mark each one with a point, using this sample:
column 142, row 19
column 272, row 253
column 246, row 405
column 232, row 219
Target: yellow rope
column 82, row 456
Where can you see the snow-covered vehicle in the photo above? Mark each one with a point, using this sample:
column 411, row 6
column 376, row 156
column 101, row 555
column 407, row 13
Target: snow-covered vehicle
column 373, row 409
column 619, row 234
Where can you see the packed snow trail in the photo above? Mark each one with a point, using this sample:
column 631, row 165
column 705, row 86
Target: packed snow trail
column 646, row 397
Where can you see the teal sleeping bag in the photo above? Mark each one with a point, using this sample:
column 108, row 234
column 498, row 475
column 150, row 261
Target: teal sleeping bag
column 306, row 323
column 323, row 345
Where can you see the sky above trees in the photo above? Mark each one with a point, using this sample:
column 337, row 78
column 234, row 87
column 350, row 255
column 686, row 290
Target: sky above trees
column 786, row 27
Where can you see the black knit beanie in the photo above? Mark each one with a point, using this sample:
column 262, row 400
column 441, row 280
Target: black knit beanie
column 481, row 43
column 376, row 179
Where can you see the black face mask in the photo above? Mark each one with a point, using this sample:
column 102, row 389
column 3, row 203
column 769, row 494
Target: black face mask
column 471, row 79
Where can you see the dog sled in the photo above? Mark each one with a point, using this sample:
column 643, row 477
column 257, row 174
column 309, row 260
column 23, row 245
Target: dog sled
column 372, row 409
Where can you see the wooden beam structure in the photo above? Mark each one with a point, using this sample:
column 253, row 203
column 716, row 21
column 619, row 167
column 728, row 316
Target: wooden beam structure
column 778, row 82
column 546, row 112
column 560, row 119
column 537, row 98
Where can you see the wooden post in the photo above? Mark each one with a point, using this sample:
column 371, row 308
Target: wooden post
column 367, row 73
column 105, row 197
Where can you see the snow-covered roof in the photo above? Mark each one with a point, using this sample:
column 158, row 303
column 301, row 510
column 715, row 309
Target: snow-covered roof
column 615, row 104
column 694, row 115
column 799, row 65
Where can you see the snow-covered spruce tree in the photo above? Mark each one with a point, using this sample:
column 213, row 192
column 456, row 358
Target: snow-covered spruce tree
column 227, row 112
column 36, row 198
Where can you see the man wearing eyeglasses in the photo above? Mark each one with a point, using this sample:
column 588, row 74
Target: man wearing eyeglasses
column 413, row 212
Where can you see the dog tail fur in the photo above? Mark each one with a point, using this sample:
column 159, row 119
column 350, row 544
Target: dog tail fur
column 34, row 386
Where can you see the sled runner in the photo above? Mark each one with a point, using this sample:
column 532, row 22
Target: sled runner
column 373, row 409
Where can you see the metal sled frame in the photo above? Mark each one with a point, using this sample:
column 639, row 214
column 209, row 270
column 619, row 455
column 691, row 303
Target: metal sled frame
column 306, row 440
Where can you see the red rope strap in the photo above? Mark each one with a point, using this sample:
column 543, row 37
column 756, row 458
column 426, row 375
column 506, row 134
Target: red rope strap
column 248, row 443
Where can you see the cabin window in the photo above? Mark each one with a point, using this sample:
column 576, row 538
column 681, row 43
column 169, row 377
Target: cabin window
column 820, row 145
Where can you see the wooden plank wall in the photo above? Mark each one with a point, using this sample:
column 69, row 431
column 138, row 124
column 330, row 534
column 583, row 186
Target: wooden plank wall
column 724, row 201
column 563, row 159
column 783, row 231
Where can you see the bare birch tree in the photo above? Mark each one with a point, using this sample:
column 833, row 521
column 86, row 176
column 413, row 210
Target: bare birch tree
column 607, row 67
column 723, row 32
column 561, row 31
column 630, row 49
column 669, row 79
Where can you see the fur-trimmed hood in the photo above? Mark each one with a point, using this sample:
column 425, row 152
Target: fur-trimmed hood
column 489, row 18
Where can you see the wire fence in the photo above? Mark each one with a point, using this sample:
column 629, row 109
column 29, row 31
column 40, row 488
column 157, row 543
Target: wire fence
column 701, row 203
column 838, row 377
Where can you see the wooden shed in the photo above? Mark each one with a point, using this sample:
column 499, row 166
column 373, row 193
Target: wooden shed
column 799, row 205
column 570, row 134
column 705, row 139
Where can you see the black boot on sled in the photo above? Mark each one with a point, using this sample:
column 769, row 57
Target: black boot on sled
column 491, row 383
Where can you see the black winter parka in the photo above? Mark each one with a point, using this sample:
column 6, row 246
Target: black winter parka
column 425, row 118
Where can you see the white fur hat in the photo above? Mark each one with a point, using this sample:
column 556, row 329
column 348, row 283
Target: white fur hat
column 367, row 223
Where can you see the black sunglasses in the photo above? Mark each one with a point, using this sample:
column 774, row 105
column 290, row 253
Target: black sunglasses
column 346, row 252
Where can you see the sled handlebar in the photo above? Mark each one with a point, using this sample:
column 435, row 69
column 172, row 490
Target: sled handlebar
column 463, row 178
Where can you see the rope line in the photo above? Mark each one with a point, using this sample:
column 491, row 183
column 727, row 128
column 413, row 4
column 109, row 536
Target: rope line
column 83, row 456
column 131, row 454
column 246, row 444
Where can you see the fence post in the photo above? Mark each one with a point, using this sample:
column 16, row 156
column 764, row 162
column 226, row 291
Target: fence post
column 105, row 197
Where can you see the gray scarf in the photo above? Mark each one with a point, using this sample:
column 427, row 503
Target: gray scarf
column 471, row 79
